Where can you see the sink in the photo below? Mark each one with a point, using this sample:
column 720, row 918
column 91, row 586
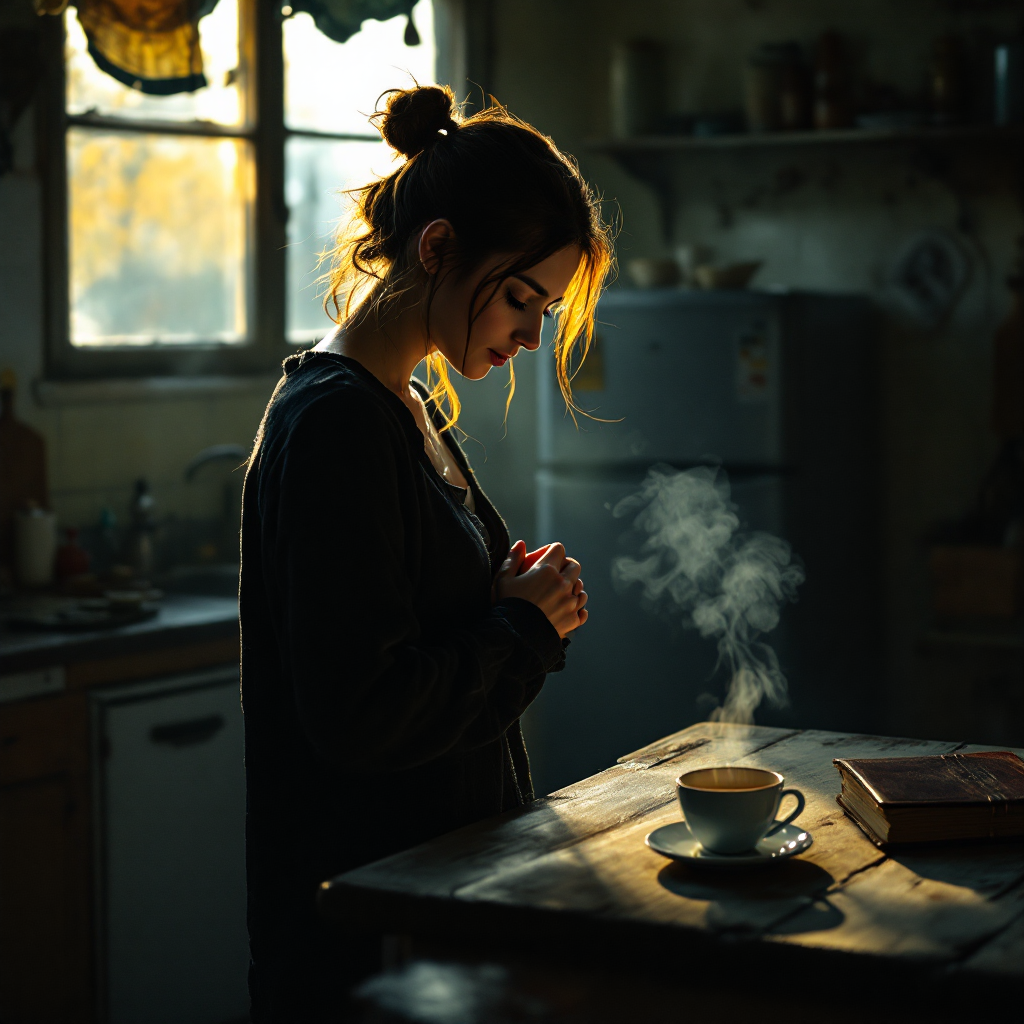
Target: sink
column 216, row 580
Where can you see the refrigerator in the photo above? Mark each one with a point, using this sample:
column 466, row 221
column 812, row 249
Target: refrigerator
column 776, row 389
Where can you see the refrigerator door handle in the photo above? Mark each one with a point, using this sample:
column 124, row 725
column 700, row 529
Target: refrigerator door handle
column 187, row 734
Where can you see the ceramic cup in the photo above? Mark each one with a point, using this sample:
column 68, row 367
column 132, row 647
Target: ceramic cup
column 728, row 810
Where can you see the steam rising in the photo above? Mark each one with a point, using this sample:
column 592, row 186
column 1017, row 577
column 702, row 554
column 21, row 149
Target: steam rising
column 726, row 584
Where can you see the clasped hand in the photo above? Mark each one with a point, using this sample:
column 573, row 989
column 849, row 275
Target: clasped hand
column 549, row 580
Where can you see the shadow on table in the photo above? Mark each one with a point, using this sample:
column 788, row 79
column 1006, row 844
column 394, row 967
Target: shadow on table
column 759, row 899
column 986, row 868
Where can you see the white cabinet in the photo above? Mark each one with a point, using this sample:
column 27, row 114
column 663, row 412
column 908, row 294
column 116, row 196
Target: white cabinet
column 170, row 847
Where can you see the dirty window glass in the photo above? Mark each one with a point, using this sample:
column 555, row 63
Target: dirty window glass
column 317, row 174
column 332, row 88
column 159, row 228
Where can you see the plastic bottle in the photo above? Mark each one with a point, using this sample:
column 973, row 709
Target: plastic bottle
column 143, row 528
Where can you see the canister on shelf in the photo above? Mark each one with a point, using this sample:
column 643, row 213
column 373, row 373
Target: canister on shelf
column 1008, row 98
column 778, row 92
column 638, row 88
column 831, row 83
column 948, row 80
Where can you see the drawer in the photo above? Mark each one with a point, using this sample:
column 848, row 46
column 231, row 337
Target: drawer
column 44, row 737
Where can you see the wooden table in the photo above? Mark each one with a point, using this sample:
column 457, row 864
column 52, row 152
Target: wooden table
column 568, row 885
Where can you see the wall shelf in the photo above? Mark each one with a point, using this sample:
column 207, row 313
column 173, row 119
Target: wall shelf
column 663, row 144
column 653, row 159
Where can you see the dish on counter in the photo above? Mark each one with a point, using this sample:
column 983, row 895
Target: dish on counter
column 118, row 608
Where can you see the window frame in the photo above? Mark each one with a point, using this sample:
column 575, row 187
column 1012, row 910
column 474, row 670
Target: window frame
column 261, row 55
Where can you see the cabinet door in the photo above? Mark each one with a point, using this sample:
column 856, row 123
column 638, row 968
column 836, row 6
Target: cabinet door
column 46, row 972
column 44, row 902
column 172, row 799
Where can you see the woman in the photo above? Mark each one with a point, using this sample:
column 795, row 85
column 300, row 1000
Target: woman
column 391, row 637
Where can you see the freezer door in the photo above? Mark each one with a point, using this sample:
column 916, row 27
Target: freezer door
column 631, row 676
column 171, row 802
column 686, row 377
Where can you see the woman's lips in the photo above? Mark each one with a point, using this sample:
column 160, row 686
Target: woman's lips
column 497, row 359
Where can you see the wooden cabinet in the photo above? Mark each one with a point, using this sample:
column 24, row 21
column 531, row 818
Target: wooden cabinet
column 46, row 969
column 48, row 966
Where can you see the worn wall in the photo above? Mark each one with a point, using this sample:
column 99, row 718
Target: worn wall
column 825, row 218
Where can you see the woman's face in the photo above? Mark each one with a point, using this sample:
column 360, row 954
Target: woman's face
column 511, row 319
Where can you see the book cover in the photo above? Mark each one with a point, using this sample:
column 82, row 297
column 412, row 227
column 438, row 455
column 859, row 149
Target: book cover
column 987, row 777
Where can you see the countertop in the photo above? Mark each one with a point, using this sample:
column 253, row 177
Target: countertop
column 182, row 619
column 570, row 872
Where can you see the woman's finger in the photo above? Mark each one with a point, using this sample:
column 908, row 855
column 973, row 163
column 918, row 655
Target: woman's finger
column 531, row 559
column 512, row 564
column 584, row 615
column 571, row 570
column 581, row 601
column 554, row 556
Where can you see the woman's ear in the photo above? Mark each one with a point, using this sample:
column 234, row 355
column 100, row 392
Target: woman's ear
column 434, row 240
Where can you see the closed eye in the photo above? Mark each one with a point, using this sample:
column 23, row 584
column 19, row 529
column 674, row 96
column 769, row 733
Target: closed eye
column 514, row 302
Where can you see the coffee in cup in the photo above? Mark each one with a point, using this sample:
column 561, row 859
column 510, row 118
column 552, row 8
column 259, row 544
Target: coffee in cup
column 729, row 810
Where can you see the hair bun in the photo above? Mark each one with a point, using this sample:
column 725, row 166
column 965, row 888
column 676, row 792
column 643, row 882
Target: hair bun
column 413, row 118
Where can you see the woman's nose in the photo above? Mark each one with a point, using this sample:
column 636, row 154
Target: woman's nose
column 529, row 339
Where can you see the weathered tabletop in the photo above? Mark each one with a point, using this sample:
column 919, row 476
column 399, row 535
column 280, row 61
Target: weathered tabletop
column 572, row 869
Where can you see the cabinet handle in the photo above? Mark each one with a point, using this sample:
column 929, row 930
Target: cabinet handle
column 187, row 734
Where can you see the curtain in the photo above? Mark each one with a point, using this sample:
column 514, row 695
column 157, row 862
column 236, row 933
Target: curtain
column 153, row 45
column 341, row 19
column 150, row 45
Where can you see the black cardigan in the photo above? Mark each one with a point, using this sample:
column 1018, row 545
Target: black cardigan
column 382, row 690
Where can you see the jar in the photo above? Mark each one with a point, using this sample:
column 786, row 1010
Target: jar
column 637, row 88
column 831, row 83
column 948, row 81
column 778, row 92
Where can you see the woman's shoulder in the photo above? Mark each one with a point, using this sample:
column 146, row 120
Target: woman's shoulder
column 331, row 393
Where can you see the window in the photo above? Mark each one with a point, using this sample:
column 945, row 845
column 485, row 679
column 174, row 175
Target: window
column 184, row 231
column 330, row 88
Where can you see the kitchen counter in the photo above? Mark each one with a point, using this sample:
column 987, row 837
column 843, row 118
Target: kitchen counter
column 182, row 621
column 52, row 685
column 563, row 894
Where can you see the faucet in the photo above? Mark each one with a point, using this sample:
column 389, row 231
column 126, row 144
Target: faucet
column 218, row 453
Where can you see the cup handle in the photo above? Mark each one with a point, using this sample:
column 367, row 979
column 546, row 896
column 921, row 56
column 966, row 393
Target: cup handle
column 798, row 810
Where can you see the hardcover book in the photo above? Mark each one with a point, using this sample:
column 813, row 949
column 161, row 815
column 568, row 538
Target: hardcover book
column 942, row 797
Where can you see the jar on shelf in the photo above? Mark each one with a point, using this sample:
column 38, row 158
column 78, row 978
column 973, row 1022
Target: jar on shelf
column 638, row 71
column 832, row 106
column 1008, row 83
column 948, row 81
column 778, row 92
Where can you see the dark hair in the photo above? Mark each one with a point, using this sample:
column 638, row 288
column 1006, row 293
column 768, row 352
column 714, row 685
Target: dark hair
column 504, row 187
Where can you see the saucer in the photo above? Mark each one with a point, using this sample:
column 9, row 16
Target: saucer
column 675, row 841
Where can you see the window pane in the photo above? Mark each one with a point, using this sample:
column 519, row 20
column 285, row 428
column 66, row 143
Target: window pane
column 316, row 174
column 89, row 89
column 333, row 87
column 159, row 229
